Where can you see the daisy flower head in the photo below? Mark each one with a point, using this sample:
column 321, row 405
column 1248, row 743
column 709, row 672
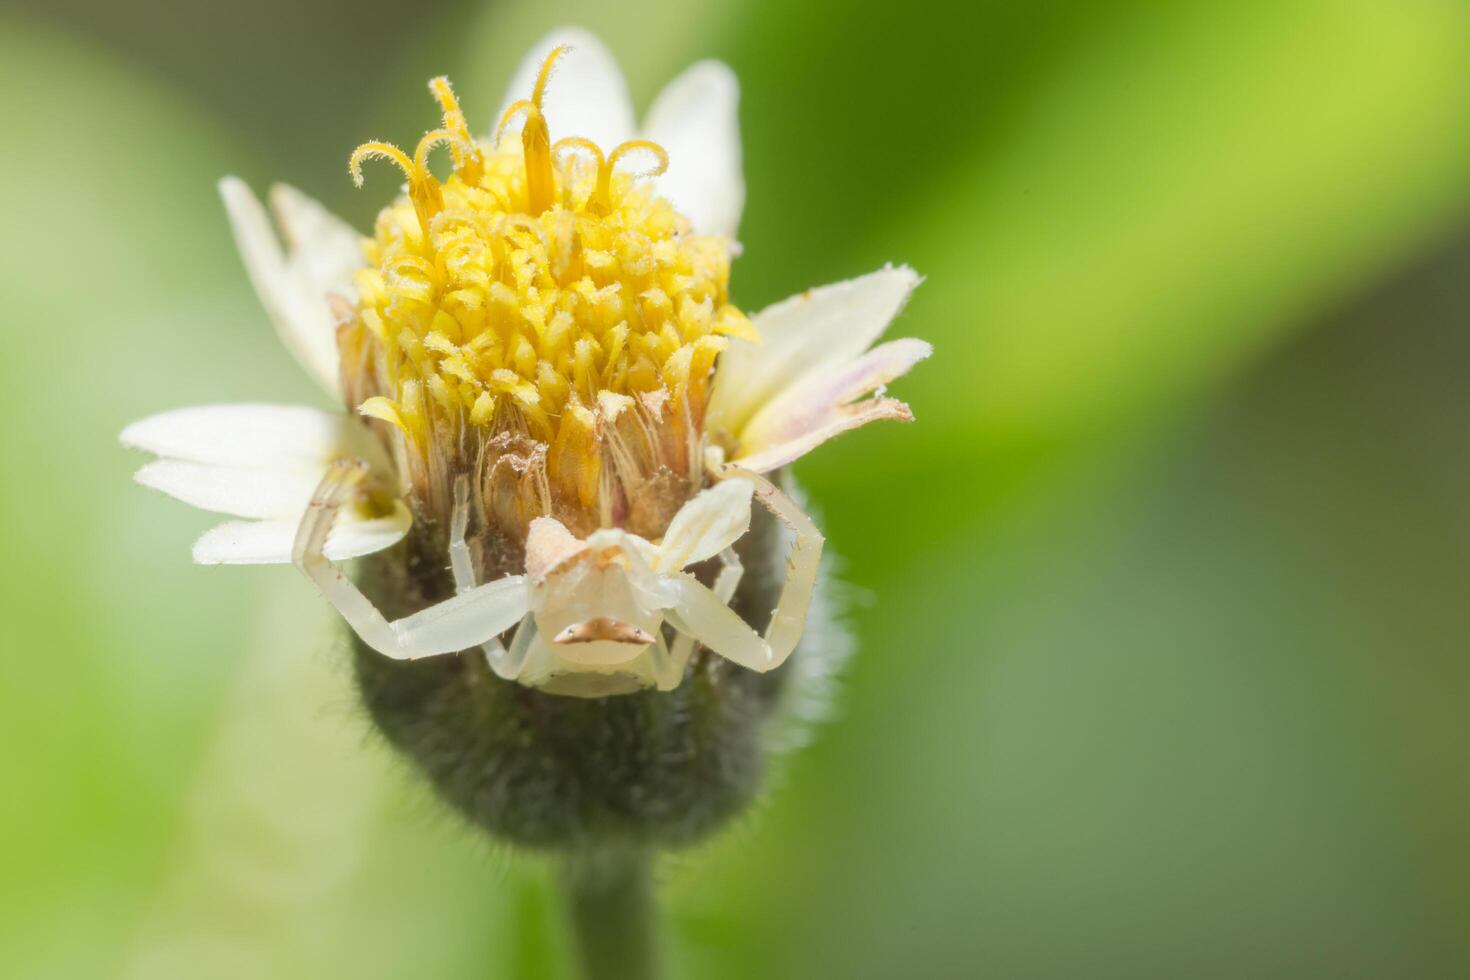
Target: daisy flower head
column 550, row 417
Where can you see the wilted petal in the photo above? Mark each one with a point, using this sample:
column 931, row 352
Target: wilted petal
column 694, row 119
column 839, row 421
column 810, row 334
column 587, row 95
column 823, row 405
column 293, row 289
column 269, row 542
column 706, row 525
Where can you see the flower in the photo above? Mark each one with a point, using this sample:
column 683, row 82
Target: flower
column 542, row 378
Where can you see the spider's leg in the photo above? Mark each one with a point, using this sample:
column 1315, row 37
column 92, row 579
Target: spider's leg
column 459, row 551
column 509, row 664
column 463, row 568
column 668, row 668
column 706, row 617
column 467, row 620
column 726, row 582
column 530, row 655
column 789, row 617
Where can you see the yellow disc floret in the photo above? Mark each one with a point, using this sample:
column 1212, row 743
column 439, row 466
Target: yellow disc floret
column 540, row 289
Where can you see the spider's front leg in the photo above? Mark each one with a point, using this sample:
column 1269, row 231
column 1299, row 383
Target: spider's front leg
column 788, row 619
column 671, row 662
column 469, row 619
column 703, row 614
column 506, row 664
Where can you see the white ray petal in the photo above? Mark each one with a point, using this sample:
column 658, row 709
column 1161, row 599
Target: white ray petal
column 587, row 95
column 290, row 288
column 238, row 490
column 254, row 434
column 816, row 331
column 706, row 525
column 822, row 405
column 326, row 250
column 694, row 118
column 269, row 542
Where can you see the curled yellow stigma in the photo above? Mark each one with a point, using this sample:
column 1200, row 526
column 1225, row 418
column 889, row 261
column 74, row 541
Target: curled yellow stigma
column 540, row 292
column 600, row 201
column 423, row 189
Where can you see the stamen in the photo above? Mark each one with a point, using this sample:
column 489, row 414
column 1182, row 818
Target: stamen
column 569, row 143
column 536, row 140
column 427, row 201
column 468, row 161
column 511, row 111
column 565, row 147
column 647, row 146
column 544, row 75
column 603, row 194
column 423, row 188
column 604, row 180
column 424, row 191
column 439, row 137
column 600, row 201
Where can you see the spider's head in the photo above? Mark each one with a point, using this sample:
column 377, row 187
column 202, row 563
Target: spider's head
column 597, row 601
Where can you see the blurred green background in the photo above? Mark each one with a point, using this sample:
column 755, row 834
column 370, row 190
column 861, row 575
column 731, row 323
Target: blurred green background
column 1163, row 672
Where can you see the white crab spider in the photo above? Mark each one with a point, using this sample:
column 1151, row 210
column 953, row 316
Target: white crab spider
column 590, row 610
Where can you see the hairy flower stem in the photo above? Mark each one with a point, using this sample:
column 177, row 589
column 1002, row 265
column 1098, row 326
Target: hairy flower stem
column 610, row 904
